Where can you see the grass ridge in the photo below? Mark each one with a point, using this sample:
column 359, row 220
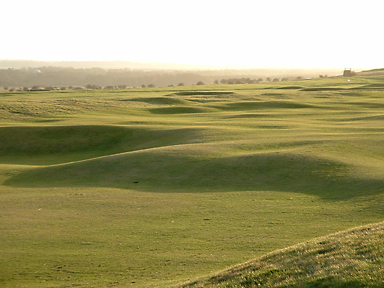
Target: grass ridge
column 350, row 258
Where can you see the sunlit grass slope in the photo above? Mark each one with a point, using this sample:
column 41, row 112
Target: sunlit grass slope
column 191, row 169
column 152, row 187
column 353, row 258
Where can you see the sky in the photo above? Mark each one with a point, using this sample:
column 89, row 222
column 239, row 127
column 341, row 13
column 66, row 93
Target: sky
column 273, row 34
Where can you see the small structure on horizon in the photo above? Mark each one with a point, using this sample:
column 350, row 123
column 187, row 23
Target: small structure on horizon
column 348, row 72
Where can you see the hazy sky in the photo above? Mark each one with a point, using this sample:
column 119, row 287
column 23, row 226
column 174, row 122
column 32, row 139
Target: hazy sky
column 267, row 33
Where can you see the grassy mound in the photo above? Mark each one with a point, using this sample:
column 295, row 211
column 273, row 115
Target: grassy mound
column 159, row 100
column 178, row 110
column 255, row 105
column 373, row 73
column 373, row 86
column 291, row 87
column 195, row 170
column 352, row 258
column 37, row 145
column 323, row 89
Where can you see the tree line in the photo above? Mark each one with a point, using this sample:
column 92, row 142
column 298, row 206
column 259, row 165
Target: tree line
column 99, row 78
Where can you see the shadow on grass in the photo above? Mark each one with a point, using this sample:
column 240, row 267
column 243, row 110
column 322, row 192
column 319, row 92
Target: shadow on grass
column 159, row 100
column 256, row 105
column 203, row 93
column 35, row 145
column 178, row 110
column 169, row 171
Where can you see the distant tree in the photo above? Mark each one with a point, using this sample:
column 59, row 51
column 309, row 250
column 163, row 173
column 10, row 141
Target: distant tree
column 223, row 81
column 259, row 80
column 216, row 82
column 268, row 79
column 299, row 78
column 180, row 84
column 275, row 80
column 122, row 86
column 249, row 81
column 151, row 86
column 143, row 86
column 200, row 83
column 25, row 89
column 92, row 86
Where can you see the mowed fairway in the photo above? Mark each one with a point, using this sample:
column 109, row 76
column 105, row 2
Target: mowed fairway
column 155, row 187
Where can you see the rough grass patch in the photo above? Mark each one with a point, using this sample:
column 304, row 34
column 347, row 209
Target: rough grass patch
column 335, row 263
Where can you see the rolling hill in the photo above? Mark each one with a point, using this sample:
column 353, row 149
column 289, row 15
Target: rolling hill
column 160, row 186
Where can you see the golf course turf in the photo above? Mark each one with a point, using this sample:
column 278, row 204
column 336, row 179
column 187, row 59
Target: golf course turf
column 160, row 187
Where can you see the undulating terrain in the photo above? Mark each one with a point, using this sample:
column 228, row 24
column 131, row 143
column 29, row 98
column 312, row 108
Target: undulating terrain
column 160, row 187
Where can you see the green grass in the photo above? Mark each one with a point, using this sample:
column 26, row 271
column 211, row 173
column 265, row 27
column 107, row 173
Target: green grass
column 353, row 258
column 43, row 145
column 152, row 187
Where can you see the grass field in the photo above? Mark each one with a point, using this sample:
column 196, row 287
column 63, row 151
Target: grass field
column 157, row 187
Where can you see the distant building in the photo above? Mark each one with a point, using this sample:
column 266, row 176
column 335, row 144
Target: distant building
column 348, row 72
